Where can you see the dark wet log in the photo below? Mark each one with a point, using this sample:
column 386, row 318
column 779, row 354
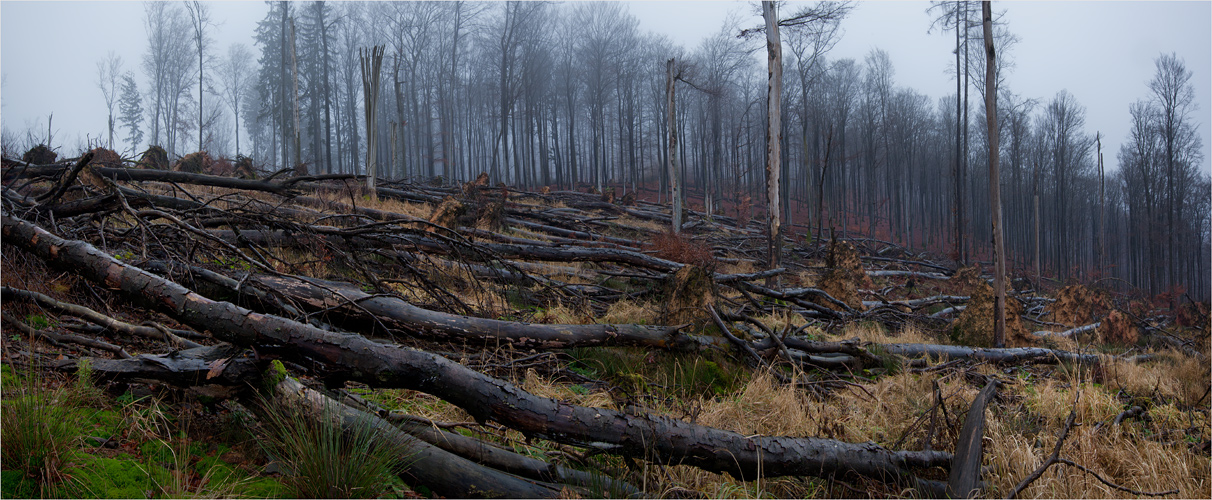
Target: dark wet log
column 965, row 479
column 348, row 302
column 491, row 455
column 223, row 364
column 567, row 233
column 142, row 175
column 651, row 437
column 561, row 254
column 446, row 473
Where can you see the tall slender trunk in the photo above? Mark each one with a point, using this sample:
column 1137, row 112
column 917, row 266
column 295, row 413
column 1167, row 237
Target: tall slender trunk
column 674, row 169
column 774, row 99
column 995, row 192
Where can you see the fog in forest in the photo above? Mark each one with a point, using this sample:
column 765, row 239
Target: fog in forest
column 1103, row 109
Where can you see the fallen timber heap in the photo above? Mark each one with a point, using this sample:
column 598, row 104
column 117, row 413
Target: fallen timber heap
column 349, row 328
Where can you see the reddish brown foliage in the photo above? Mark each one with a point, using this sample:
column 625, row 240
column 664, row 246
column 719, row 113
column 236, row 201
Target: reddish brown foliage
column 194, row 163
column 1077, row 305
column 105, row 158
column 155, row 158
column 1116, row 329
column 680, row 248
column 1193, row 315
column 221, row 166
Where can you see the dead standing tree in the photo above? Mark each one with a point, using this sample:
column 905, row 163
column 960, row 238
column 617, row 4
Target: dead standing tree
column 995, row 195
column 372, row 62
column 675, row 183
column 823, row 14
column 774, row 134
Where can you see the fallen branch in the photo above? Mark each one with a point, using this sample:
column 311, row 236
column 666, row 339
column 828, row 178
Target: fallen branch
column 1068, row 333
column 172, row 337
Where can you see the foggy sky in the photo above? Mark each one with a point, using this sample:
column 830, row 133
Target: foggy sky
column 1101, row 52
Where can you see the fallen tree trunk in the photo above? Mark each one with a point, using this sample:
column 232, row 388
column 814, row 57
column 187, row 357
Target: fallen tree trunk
column 446, row 473
column 349, row 302
column 663, row 439
column 1007, row 355
column 135, row 174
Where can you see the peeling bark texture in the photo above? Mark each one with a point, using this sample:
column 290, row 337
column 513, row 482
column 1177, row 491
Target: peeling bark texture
column 338, row 299
column 662, row 439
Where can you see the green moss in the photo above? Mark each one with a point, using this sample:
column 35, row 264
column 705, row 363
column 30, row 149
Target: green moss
column 8, row 379
column 14, row 484
column 274, row 375
column 164, row 452
column 120, row 477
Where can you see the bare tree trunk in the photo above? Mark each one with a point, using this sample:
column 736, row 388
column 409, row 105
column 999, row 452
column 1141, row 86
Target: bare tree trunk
column 372, row 62
column 774, row 99
column 995, row 190
column 300, row 169
column 674, row 181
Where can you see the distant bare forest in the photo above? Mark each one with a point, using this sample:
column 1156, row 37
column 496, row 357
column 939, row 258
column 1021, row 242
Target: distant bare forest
column 569, row 95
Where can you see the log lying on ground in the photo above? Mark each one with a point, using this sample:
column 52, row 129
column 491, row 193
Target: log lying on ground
column 134, row 174
column 1008, row 355
column 443, row 472
column 170, row 336
column 222, row 364
column 491, row 455
column 1070, row 332
column 352, row 304
column 663, row 439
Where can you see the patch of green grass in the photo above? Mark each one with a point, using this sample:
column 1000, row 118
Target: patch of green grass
column 329, row 458
column 40, row 433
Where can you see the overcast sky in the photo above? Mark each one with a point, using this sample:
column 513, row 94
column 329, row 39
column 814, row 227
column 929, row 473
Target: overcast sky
column 1101, row 52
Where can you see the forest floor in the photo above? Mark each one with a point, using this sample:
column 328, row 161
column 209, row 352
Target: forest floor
column 822, row 349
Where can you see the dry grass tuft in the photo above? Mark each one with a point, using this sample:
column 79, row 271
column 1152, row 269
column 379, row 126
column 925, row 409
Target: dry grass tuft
column 626, row 311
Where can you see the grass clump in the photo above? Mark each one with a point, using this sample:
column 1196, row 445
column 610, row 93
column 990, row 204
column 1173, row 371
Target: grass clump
column 41, row 429
column 327, row 456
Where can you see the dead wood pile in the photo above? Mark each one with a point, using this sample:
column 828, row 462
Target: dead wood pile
column 405, row 292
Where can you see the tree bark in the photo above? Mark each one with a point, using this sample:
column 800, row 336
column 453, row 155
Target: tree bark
column 346, row 301
column 965, row 479
column 675, row 182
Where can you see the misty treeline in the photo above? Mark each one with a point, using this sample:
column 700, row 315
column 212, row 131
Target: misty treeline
column 544, row 94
